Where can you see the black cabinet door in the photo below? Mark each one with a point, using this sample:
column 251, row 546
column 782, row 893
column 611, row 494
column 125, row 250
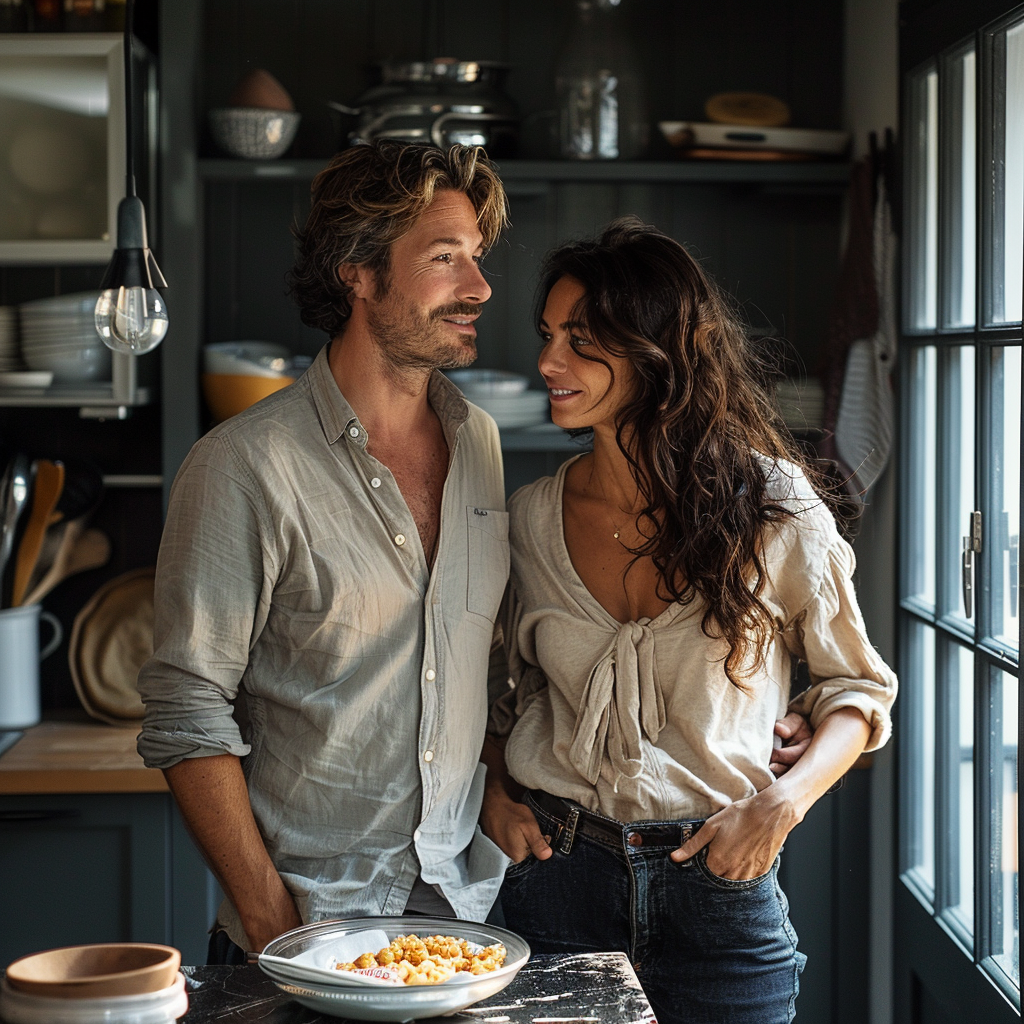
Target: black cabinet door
column 100, row 868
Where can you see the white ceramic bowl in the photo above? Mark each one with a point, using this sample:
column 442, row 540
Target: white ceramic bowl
column 247, row 358
column 162, row 1007
column 488, row 383
column 253, row 133
column 83, row 362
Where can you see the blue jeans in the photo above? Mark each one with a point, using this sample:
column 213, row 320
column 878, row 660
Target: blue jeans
column 707, row 950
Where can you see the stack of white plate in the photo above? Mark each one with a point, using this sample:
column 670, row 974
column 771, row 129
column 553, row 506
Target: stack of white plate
column 9, row 356
column 476, row 384
column 59, row 334
column 526, row 409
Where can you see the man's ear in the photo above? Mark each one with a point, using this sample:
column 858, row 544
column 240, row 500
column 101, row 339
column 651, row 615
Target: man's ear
column 358, row 278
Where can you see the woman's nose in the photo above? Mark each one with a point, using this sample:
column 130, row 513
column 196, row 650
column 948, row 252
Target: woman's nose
column 552, row 360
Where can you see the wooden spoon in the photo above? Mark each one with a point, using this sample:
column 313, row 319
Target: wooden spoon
column 79, row 550
column 45, row 495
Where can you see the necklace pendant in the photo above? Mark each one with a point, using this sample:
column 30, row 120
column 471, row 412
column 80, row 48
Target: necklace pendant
column 616, row 534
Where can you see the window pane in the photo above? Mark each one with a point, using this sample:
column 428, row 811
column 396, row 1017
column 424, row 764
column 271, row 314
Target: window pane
column 924, row 201
column 1008, row 200
column 959, row 461
column 1004, row 533
column 1007, row 938
column 964, row 823
column 964, row 213
column 918, row 699
column 919, row 522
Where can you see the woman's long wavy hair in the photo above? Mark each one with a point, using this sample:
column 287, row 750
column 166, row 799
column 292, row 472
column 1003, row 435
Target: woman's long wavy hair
column 365, row 199
column 696, row 427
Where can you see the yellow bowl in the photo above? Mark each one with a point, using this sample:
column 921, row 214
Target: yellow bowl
column 227, row 394
column 96, row 971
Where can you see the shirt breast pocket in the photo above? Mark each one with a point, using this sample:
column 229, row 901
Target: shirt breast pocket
column 487, row 558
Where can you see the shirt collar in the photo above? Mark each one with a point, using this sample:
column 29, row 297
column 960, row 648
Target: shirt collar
column 338, row 419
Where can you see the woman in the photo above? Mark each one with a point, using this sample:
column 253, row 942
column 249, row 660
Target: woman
column 662, row 587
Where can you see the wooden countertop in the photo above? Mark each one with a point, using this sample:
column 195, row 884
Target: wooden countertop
column 77, row 757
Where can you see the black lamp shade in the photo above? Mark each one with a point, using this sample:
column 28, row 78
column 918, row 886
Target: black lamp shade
column 132, row 265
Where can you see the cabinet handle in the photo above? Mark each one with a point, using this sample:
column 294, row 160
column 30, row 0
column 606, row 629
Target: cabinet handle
column 34, row 814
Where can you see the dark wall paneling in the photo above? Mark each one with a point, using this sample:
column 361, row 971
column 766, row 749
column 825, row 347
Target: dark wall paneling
column 327, row 49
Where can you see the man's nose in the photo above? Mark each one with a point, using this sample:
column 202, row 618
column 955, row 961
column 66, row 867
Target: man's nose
column 474, row 287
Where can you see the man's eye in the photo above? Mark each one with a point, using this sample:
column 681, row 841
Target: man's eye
column 445, row 257
column 479, row 260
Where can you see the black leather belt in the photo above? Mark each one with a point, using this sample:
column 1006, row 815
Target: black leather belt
column 574, row 820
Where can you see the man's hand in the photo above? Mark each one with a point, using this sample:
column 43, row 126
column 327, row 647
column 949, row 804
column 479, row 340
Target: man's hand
column 214, row 802
column 792, row 737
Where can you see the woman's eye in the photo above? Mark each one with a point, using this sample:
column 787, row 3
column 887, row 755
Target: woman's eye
column 577, row 342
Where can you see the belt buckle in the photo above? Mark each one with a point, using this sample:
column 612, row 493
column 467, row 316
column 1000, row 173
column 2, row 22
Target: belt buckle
column 565, row 846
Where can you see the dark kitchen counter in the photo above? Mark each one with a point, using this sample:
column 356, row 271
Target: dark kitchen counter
column 596, row 988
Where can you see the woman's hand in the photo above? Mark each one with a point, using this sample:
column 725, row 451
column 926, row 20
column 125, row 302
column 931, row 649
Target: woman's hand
column 512, row 826
column 744, row 838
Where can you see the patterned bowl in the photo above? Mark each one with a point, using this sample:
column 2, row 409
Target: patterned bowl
column 251, row 133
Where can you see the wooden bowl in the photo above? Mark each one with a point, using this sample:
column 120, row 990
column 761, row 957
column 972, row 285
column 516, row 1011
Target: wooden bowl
column 96, row 971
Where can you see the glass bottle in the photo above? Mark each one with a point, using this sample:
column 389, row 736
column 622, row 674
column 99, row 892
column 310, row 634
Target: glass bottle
column 602, row 109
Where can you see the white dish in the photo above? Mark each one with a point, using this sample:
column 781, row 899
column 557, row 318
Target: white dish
column 488, row 383
column 26, row 379
column 315, row 944
column 734, row 136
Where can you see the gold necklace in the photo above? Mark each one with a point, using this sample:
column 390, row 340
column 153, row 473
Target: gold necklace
column 604, row 498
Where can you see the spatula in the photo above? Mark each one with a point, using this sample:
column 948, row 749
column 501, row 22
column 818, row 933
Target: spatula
column 47, row 491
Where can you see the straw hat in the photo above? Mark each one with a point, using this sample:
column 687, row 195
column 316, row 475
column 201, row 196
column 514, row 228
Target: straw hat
column 111, row 638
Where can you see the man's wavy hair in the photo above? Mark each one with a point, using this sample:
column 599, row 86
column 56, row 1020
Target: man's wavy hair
column 365, row 199
column 696, row 427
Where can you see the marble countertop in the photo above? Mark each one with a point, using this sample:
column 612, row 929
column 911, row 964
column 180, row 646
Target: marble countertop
column 580, row 988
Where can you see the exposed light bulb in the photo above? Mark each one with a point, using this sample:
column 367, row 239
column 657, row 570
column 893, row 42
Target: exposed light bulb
column 131, row 319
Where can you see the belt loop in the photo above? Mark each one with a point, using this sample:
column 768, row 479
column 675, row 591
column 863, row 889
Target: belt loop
column 570, row 830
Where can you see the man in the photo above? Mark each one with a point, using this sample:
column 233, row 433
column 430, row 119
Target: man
column 330, row 570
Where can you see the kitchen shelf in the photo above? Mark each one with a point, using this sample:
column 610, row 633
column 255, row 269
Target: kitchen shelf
column 832, row 174
column 100, row 400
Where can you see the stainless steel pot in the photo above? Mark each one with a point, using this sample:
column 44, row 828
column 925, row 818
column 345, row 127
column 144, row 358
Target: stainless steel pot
column 444, row 101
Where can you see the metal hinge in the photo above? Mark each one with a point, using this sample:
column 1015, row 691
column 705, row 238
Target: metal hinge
column 971, row 547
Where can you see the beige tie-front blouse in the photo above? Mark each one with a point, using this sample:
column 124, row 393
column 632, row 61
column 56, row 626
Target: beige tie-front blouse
column 637, row 720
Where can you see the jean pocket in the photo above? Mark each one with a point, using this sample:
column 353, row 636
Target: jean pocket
column 728, row 884
column 517, row 868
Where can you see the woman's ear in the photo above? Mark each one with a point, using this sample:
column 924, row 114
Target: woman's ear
column 357, row 278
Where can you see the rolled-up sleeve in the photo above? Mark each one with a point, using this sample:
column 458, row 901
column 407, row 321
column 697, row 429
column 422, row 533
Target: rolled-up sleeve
column 845, row 669
column 213, row 580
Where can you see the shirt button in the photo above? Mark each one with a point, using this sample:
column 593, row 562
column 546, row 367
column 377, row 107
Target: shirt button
column 635, row 839
column 428, row 756
column 400, row 539
column 416, row 835
column 353, row 431
column 431, row 675
column 375, row 482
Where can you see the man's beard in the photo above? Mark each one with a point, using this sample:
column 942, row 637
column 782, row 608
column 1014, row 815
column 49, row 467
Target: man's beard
column 411, row 340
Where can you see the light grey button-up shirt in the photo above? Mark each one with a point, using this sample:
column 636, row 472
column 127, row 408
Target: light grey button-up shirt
column 299, row 627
